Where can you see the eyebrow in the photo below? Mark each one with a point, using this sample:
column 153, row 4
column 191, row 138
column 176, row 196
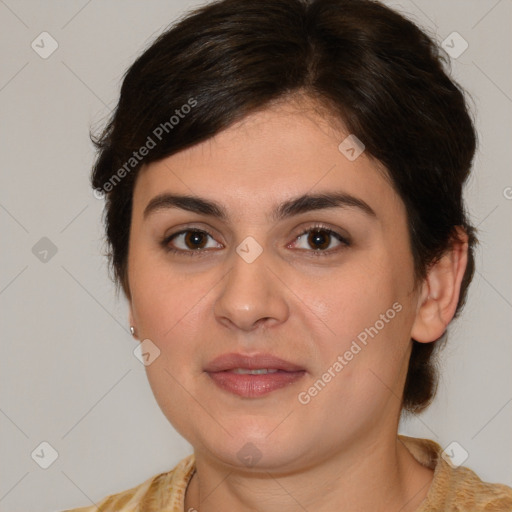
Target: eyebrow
column 301, row 204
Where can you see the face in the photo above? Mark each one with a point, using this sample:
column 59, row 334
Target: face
column 324, row 285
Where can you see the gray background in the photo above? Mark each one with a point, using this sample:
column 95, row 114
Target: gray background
column 68, row 374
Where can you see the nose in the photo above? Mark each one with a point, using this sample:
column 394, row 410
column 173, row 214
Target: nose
column 251, row 295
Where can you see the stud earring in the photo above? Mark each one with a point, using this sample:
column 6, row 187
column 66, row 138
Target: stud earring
column 132, row 330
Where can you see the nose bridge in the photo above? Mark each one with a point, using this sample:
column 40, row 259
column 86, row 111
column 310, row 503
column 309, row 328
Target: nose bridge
column 250, row 292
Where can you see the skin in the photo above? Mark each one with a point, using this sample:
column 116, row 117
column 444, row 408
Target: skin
column 339, row 451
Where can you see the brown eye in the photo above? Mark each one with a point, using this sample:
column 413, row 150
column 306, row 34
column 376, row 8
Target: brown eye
column 189, row 241
column 195, row 239
column 320, row 241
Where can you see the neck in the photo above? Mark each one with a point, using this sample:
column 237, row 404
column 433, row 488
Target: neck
column 380, row 476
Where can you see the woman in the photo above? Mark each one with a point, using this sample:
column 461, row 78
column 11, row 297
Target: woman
column 283, row 185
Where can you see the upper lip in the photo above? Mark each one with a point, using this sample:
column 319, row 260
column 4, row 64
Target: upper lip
column 257, row 361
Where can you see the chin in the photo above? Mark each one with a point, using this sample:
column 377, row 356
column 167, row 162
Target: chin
column 263, row 450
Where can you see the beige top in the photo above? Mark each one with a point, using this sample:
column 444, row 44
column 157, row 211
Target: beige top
column 452, row 489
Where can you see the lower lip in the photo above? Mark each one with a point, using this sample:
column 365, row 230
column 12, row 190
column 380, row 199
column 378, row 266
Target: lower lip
column 253, row 386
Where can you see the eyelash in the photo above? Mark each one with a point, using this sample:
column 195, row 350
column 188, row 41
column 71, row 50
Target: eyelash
column 200, row 252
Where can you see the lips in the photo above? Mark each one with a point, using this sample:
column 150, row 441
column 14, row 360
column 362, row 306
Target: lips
column 232, row 361
column 231, row 372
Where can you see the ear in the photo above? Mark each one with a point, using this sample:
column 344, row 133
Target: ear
column 440, row 291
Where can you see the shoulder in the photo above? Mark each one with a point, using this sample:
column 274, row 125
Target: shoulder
column 164, row 491
column 456, row 488
column 466, row 489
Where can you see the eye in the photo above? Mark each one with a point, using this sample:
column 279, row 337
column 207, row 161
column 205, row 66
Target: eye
column 188, row 241
column 194, row 242
column 321, row 239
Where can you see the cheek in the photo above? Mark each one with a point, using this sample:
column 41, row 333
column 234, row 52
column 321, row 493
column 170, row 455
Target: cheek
column 368, row 311
column 362, row 372
column 354, row 297
column 165, row 298
column 169, row 308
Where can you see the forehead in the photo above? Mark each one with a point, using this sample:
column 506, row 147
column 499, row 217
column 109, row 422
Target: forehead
column 269, row 157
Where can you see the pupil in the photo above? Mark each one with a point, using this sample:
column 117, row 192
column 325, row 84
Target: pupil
column 320, row 240
column 196, row 238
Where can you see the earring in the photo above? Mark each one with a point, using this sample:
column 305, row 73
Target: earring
column 132, row 330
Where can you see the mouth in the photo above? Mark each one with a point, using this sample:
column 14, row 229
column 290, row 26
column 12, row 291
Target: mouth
column 253, row 376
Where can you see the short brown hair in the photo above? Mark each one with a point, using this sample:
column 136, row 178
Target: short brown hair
column 369, row 66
